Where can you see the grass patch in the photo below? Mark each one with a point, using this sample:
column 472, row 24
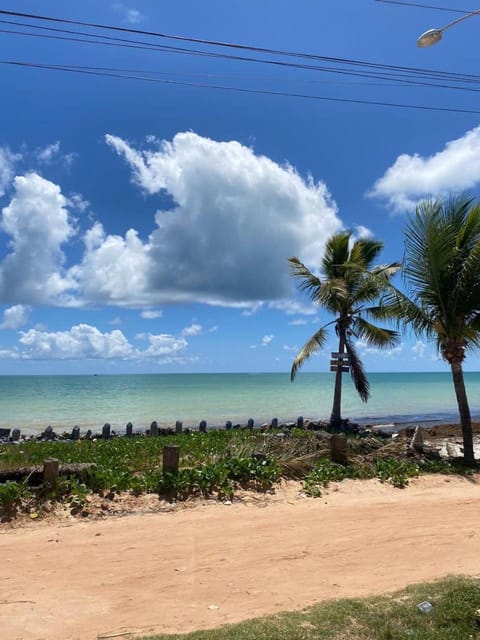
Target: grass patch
column 210, row 463
column 392, row 617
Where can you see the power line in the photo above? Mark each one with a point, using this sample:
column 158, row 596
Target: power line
column 403, row 76
column 229, row 45
column 423, row 6
column 66, row 68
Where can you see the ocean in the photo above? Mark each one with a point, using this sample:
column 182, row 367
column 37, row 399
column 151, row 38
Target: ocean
column 31, row 403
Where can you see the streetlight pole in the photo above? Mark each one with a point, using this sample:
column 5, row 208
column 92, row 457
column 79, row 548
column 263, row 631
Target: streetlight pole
column 432, row 36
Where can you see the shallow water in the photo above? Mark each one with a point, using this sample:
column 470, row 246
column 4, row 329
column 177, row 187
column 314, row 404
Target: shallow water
column 33, row 402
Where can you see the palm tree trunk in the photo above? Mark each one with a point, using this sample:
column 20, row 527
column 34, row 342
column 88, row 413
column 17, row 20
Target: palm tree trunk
column 464, row 411
column 336, row 417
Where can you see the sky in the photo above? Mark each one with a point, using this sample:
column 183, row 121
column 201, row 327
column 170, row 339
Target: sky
column 147, row 221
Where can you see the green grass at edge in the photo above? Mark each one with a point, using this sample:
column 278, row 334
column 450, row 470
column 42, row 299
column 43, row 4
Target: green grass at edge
column 390, row 617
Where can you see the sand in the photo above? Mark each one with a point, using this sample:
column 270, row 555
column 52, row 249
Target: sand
column 217, row 563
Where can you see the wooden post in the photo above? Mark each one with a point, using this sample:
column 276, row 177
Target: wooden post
column 129, row 430
column 178, row 427
column 50, row 471
column 300, row 422
column 171, row 458
column 338, row 448
column 154, row 428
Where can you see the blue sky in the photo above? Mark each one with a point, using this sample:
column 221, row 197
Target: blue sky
column 146, row 226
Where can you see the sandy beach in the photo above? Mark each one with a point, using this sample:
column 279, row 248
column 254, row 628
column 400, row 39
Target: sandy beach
column 210, row 563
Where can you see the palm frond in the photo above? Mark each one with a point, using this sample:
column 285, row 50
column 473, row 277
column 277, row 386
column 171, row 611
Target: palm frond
column 365, row 251
column 316, row 342
column 336, row 254
column 310, row 283
column 357, row 372
column 378, row 337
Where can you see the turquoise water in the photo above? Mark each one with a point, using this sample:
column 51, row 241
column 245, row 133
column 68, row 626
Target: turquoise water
column 34, row 402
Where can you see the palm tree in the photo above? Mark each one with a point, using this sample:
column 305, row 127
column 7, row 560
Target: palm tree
column 442, row 277
column 348, row 288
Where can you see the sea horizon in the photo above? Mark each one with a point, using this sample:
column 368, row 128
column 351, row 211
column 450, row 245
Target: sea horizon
column 33, row 402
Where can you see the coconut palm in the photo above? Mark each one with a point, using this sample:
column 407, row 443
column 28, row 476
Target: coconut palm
column 442, row 278
column 347, row 287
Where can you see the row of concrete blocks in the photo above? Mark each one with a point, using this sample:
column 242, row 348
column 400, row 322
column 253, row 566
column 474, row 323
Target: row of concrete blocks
column 154, row 430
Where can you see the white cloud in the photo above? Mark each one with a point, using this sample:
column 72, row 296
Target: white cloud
column 213, row 329
column 114, row 270
column 151, row 314
column 287, row 347
column 7, row 167
column 193, row 330
column 46, row 154
column 298, row 322
column 37, row 221
column 84, row 341
column 419, row 349
column 237, row 219
column 15, row 316
column 164, row 346
column 412, row 177
column 51, row 153
column 80, row 342
column 132, row 16
column 365, row 349
column 266, row 340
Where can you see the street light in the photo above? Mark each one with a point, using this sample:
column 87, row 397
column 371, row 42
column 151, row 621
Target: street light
column 432, row 36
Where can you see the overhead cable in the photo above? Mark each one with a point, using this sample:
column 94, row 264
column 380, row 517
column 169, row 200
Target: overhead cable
column 66, row 68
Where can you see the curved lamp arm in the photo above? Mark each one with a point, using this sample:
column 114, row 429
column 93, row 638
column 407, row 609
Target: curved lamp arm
column 432, row 36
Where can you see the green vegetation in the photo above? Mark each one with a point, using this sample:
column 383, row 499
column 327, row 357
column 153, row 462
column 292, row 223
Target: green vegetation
column 392, row 617
column 442, row 275
column 347, row 288
column 213, row 463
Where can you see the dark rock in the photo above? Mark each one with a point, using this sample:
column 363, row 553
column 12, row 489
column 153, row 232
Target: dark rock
column 106, row 431
column 154, row 428
column 203, row 426
column 129, row 430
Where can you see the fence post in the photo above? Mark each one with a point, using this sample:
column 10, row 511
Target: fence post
column 338, row 448
column 50, row 471
column 178, row 426
column 171, row 458
column 154, row 428
column 129, row 430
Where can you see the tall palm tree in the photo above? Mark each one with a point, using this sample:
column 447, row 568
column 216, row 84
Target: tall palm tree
column 442, row 277
column 348, row 287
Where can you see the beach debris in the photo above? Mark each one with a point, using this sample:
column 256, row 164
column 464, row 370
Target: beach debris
column 300, row 422
column 228, row 425
column 274, row 423
column 417, row 442
column 154, row 428
column 129, row 430
column 202, row 427
column 178, row 426
column 452, row 451
column 250, row 423
column 338, row 448
column 425, row 606
column 106, row 431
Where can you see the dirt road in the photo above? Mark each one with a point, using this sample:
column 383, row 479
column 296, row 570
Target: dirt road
column 212, row 564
